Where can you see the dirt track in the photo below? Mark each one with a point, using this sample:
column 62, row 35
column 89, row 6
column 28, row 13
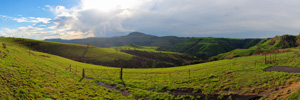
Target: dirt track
column 124, row 93
column 282, row 93
column 283, row 69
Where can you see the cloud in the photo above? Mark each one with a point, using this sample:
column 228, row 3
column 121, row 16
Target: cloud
column 100, row 23
column 215, row 17
column 31, row 31
column 26, row 19
column 42, row 33
column 32, row 19
column 201, row 18
column 184, row 18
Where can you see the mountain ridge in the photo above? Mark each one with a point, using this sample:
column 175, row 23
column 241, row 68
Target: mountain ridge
column 204, row 48
column 266, row 45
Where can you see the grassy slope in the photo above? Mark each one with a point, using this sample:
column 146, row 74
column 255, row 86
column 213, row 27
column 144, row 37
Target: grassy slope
column 237, row 74
column 142, row 48
column 107, row 56
column 37, row 75
column 200, row 47
column 74, row 51
column 278, row 42
column 155, row 57
column 234, row 74
column 207, row 47
column 225, row 76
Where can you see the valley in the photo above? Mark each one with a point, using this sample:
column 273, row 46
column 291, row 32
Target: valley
column 202, row 48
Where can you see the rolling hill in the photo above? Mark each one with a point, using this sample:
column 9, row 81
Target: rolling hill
column 207, row 47
column 149, row 57
column 27, row 74
column 264, row 46
column 201, row 47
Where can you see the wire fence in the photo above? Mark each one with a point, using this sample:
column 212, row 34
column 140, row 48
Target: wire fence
column 182, row 75
column 110, row 74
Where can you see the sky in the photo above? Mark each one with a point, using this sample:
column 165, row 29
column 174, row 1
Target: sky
column 74, row 19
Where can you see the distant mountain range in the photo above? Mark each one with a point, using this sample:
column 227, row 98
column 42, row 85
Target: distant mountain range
column 199, row 47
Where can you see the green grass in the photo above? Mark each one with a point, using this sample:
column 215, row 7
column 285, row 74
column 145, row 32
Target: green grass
column 75, row 51
column 37, row 75
column 201, row 47
column 208, row 47
column 214, row 77
column 294, row 96
column 142, row 48
column 28, row 74
column 266, row 45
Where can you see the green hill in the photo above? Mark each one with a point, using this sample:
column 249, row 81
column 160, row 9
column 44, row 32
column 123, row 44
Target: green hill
column 266, row 45
column 27, row 74
column 201, row 47
column 154, row 57
column 84, row 53
column 143, row 48
column 114, row 57
column 207, row 47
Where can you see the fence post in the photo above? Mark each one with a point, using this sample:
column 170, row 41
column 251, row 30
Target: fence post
column 83, row 74
column 265, row 59
column 270, row 59
column 189, row 73
column 70, row 68
column 275, row 57
column 4, row 45
column 121, row 73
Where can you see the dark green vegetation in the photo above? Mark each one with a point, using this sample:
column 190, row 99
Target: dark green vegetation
column 207, row 47
column 131, row 56
column 145, row 59
column 153, row 57
column 201, row 47
column 266, row 45
column 83, row 53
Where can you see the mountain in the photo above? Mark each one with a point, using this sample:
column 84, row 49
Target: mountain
column 200, row 47
column 207, row 47
column 266, row 45
column 57, row 40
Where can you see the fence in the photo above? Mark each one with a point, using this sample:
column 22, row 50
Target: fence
column 205, row 74
column 102, row 73
column 110, row 74
column 182, row 75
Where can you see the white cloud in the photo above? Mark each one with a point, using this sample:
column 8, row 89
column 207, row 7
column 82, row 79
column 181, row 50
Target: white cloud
column 219, row 18
column 41, row 33
column 32, row 19
column 26, row 19
column 91, row 20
